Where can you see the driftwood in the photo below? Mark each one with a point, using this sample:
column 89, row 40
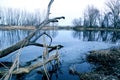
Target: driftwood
column 29, row 39
column 28, row 69
column 32, row 67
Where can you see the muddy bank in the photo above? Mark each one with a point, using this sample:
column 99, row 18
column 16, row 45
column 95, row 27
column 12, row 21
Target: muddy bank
column 107, row 65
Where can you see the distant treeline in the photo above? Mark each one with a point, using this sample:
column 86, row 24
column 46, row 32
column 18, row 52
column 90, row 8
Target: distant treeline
column 19, row 17
column 93, row 17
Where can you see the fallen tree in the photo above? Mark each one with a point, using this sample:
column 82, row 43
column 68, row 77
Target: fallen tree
column 29, row 39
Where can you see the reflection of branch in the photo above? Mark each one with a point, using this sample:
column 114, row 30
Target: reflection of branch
column 34, row 40
column 41, row 45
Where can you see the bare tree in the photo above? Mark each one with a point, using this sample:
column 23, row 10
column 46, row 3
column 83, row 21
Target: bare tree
column 114, row 11
column 77, row 22
column 91, row 16
column 18, row 17
column 106, row 21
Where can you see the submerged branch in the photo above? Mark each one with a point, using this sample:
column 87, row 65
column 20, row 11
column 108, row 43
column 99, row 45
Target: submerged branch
column 32, row 67
column 28, row 69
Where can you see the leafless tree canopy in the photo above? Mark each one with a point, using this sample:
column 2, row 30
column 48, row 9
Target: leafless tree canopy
column 91, row 16
column 114, row 11
column 109, row 18
column 19, row 17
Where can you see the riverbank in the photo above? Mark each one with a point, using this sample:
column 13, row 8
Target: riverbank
column 32, row 28
column 107, row 65
column 96, row 29
column 59, row 28
column 22, row 28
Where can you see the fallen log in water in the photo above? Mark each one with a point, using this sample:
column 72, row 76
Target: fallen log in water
column 27, row 69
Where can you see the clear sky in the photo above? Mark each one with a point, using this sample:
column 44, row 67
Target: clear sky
column 69, row 8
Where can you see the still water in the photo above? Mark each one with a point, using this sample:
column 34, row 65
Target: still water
column 76, row 45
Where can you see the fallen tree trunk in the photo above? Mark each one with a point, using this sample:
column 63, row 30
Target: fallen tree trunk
column 29, row 68
column 31, row 40
column 12, row 48
column 32, row 67
column 24, row 43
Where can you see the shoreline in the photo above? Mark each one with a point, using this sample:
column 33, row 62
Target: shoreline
column 59, row 28
column 107, row 65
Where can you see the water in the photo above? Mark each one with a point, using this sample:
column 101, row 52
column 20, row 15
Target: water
column 76, row 46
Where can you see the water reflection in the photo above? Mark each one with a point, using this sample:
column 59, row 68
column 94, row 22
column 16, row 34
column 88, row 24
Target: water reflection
column 9, row 37
column 103, row 36
column 72, row 54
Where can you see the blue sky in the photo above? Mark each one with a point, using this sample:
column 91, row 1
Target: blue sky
column 69, row 8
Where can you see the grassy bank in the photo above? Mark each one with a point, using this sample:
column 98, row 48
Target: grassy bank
column 96, row 29
column 59, row 27
column 107, row 64
column 24, row 28
column 33, row 28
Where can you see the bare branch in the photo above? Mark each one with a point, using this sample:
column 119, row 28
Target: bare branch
column 28, row 69
column 48, row 9
column 27, row 41
column 32, row 67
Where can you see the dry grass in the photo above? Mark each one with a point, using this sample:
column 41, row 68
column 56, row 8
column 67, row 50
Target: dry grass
column 26, row 28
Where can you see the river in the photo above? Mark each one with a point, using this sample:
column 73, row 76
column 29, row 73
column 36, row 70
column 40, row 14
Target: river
column 77, row 45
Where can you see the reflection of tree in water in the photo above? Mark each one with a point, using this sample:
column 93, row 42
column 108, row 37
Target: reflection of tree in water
column 85, row 35
column 10, row 37
column 53, row 33
column 97, row 36
column 115, row 36
column 77, row 34
column 89, row 36
column 103, row 35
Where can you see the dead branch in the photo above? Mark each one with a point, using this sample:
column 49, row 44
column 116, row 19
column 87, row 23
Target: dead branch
column 28, row 69
column 27, row 41
column 32, row 67
column 30, row 41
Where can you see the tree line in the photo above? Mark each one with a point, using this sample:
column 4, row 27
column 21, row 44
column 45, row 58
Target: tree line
column 93, row 17
column 19, row 17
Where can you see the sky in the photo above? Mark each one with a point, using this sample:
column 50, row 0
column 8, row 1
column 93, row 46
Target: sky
column 71, row 9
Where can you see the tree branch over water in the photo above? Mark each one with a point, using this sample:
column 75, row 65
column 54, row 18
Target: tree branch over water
column 27, row 40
